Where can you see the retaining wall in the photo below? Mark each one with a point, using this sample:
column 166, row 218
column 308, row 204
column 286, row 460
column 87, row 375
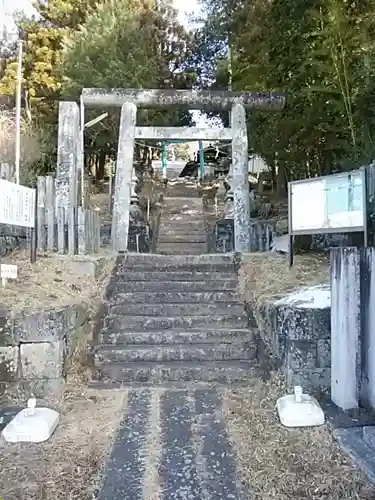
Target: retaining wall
column 295, row 327
column 36, row 347
column 262, row 233
column 11, row 237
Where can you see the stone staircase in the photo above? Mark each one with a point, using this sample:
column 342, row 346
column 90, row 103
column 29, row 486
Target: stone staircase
column 182, row 229
column 176, row 318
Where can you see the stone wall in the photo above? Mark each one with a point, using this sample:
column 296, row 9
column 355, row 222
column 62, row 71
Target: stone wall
column 262, row 233
column 11, row 237
column 140, row 237
column 297, row 332
column 36, row 348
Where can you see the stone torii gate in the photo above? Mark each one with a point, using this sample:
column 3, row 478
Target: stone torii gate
column 131, row 99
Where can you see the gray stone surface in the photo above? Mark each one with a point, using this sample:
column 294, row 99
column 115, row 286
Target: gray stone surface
column 240, row 181
column 346, row 327
column 171, row 337
column 144, row 323
column 89, row 265
column 171, row 310
column 178, row 352
column 178, row 469
column 367, row 279
column 199, row 99
column 36, row 347
column 124, row 167
column 9, row 359
column 124, row 470
column 155, row 373
column 369, row 435
column 11, row 237
column 68, row 154
column 298, row 337
column 184, row 133
column 146, row 303
column 194, row 456
column 352, row 442
column 42, row 360
column 47, row 325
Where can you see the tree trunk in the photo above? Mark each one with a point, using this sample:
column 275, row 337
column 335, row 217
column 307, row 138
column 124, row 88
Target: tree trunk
column 100, row 165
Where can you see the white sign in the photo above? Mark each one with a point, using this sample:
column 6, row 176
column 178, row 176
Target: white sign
column 17, row 204
column 332, row 202
column 8, row 271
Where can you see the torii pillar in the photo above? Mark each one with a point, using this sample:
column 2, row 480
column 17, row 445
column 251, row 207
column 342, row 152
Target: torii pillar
column 130, row 99
column 123, row 181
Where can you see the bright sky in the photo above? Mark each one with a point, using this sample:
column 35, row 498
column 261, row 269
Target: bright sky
column 7, row 7
column 185, row 9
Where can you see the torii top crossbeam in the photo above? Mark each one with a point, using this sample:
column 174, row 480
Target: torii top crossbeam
column 193, row 99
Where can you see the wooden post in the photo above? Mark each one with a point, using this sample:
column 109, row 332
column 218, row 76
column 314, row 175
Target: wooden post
column 61, row 229
column 50, row 206
column 41, row 214
column 72, row 230
column 82, row 249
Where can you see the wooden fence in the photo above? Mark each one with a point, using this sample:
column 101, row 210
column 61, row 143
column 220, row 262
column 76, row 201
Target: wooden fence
column 73, row 230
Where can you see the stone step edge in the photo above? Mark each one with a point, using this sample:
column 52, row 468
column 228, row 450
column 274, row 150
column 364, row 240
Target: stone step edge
column 149, row 301
column 226, row 316
column 213, row 334
column 187, row 345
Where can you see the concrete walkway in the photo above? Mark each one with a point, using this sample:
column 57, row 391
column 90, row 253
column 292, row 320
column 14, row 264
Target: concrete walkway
column 172, row 445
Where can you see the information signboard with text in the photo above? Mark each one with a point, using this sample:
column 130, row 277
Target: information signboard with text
column 17, row 204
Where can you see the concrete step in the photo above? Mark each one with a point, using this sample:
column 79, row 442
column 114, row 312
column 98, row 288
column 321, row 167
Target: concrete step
column 169, row 238
column 158, row 373
column 166, row 266
column 147, row 323
column 181, row 201
column 175, row 286
column 160, row 276
column 175, row 232
column 172, row 336
column 174, row 297
column 182, row 225
column 175, row 352
column 181, row 248
column 168, row 310
column 150, row 258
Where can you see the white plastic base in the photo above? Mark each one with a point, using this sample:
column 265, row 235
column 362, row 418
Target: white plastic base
column 32, row 425
column 299, row 410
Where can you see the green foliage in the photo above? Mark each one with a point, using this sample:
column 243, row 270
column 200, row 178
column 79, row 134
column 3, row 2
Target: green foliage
column 97, row 43
column 321, row 54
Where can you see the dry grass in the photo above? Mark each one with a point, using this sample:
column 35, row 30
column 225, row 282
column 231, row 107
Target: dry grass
column 44, row 284
column 263, row 275
column 151, row 451
column 287, row 464
column 68, row 466
column 30, row 144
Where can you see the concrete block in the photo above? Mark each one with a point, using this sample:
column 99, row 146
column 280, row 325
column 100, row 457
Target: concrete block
column 42, row 360
column 301, row 355
column 367, row 278
column 346, row 327
column 84, row 265
column 6, row 330
column 369, row 435
column 318, row 378
column 9, row 358
column 41, row 387
column 48, row 325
